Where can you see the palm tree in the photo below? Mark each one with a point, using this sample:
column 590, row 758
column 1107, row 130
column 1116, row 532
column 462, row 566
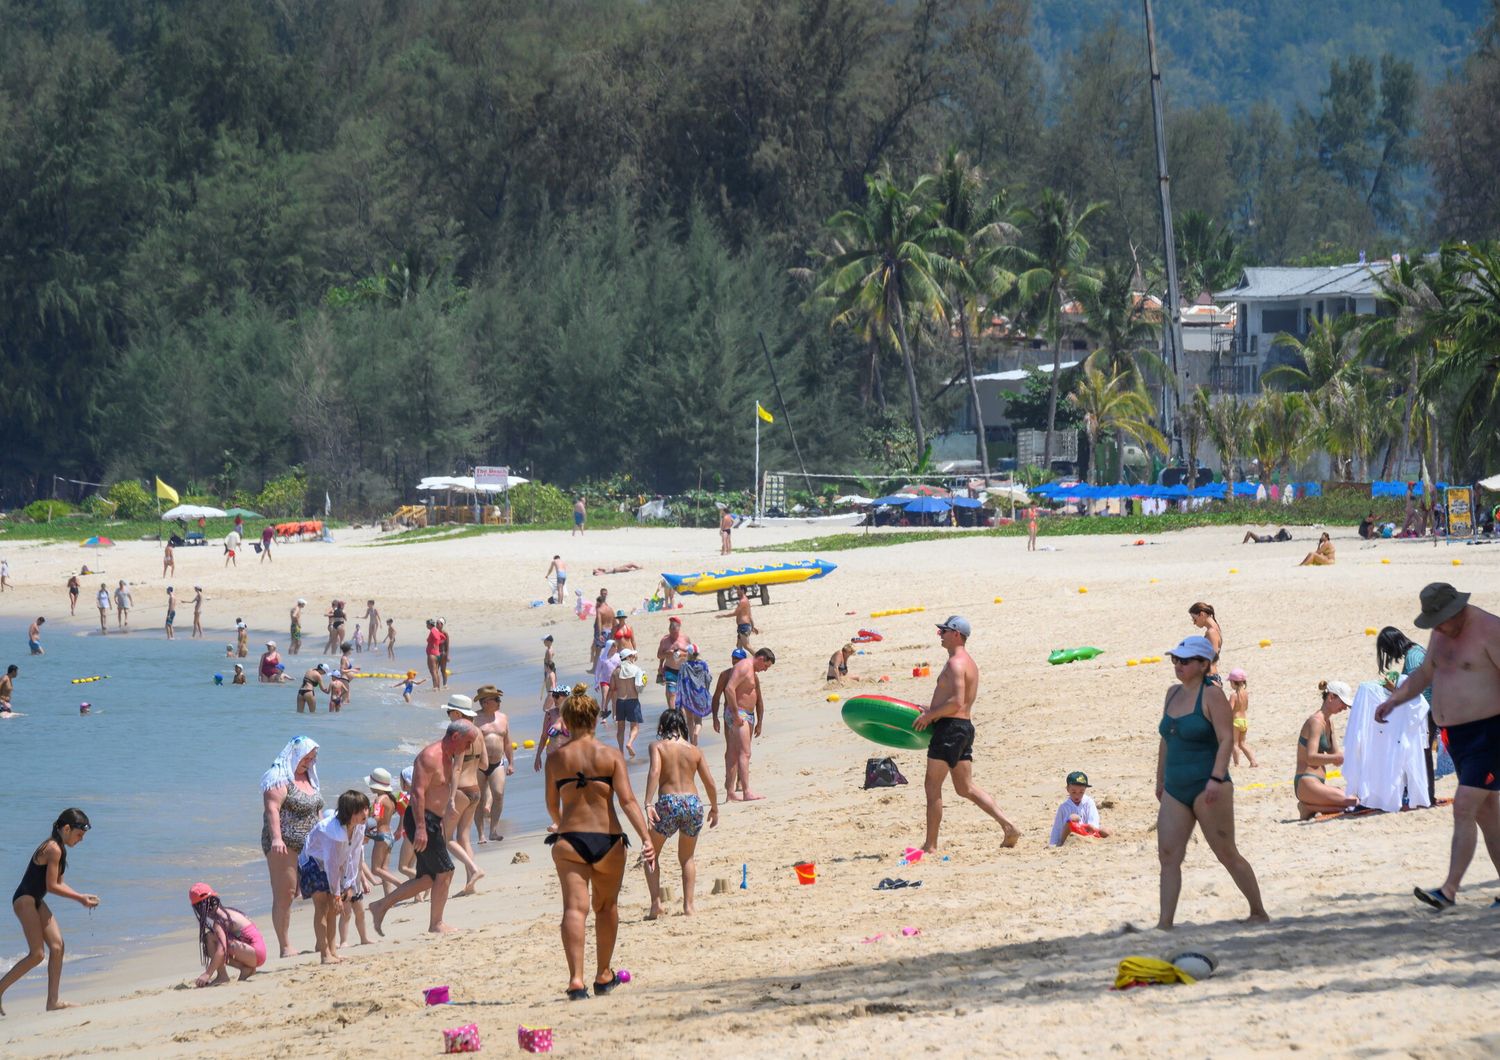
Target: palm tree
column 1282, row 428
column 1208, row 258
column 1056, row 269
column 1115, row 318
column 1330, row 351
column 1227, row 422
column 1466, row 366
column 1402, row 339
column 979, row 278
column 894, row 261
column 1113, row 403
column 1191, row 420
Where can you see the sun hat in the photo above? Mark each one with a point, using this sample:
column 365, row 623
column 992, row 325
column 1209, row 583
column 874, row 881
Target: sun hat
column 1341, row 691
column 1079, row 777
column 487, row 692
column 270, row 644
column 463, row 705
column 301, row 602
column 321, row 668
column 958, row 624
column 408, row 773
column 1237, row 675
column 1193, row 648
column 198, row 588
column 199, row 891
column 379, row 780
column 239, row 666
column 674, row 621
column 1440, row 602
column 546, row 638
column 628, row 651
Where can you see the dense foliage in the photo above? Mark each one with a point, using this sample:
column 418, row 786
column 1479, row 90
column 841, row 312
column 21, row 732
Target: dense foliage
column 379, row 240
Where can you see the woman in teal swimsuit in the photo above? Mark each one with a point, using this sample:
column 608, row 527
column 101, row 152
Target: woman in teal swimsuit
column 1192, row 778
column 1310, row 783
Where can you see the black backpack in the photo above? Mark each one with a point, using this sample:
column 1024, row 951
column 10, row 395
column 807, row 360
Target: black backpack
column 882, row 773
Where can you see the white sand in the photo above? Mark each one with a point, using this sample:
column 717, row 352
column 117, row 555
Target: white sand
column 1018, row 948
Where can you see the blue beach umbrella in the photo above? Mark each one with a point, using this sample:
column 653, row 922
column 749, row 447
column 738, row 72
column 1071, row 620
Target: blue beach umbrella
column 928, row 506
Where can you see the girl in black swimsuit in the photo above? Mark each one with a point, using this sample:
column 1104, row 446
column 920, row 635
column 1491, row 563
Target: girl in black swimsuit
column 585, row 778
column 44, row 876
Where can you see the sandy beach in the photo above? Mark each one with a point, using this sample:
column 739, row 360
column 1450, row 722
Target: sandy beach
column 1017, row 948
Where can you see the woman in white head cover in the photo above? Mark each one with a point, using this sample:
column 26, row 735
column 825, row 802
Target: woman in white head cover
column 293, row 804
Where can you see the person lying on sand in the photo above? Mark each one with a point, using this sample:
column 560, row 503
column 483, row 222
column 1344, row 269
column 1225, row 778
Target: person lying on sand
column 1266, row 539
column 625, row 568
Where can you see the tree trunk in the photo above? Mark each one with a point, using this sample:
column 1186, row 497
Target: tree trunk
column 911, row 382
column 1120, row 455
column 1052, row 399
column 981, row 447
column 1411, row 406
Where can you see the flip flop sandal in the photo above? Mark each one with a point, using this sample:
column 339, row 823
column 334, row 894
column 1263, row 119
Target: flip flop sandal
column 1436, row 898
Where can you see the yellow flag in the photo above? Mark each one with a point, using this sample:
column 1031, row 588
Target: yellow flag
column 165, row 492
column 763, row 414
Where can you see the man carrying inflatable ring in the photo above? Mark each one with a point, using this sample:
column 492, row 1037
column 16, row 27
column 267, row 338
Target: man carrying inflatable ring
column 952, row 746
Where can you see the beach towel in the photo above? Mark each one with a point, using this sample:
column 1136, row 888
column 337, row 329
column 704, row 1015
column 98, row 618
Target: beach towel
column 692, row 690
column 1383, row 761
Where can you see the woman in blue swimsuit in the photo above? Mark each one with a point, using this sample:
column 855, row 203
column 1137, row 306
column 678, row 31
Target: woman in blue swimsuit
column 1192, row 778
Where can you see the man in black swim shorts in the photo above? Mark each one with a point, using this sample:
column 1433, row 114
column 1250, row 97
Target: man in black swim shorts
column 952, row 748
column 1463, row 669
column 431, row 776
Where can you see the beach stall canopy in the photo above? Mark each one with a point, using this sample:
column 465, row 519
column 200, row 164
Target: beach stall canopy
column 854, row 499
column 243, row 513
column 464, row 484
column 894, row 498
column 193, row 511
column 927, row 505
column 964, row 502
column 98, row 542
column 921, row 489
column 1491, row 483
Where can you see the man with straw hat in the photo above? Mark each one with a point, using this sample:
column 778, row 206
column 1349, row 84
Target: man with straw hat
column 1463, row 668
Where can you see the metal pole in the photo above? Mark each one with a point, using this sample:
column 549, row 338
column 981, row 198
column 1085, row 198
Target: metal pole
column 785, row 415
column 756, row 484
column 1172, row 331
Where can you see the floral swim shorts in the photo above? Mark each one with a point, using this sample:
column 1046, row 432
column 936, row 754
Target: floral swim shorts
column 679, row 812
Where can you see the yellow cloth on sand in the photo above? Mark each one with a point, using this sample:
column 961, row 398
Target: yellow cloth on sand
column 1149, row 970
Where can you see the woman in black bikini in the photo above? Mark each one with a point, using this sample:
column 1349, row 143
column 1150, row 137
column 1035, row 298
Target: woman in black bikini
column 1317, row 749
column 44, row 876
column 584, row 778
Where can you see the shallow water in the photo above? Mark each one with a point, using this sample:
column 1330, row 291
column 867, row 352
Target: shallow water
column 167, row 766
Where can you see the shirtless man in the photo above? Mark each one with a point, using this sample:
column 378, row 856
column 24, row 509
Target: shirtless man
column 558, row 570
column 495, row 728
column 8, row 687
column 744, row 622
column 296, row 630
column 34, row 636
column 580, row 515
column 171, row 612
column 312, row 684
column 625, row 691
column 670, row 654
column 951, row 750
column 726, row 524
column 731, row 732
column 741, row 697
column 549, row 667
column 604, row 620
column 1463, row 669
column 432, row 789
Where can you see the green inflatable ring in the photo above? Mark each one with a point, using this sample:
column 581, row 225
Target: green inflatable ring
column 885, row 720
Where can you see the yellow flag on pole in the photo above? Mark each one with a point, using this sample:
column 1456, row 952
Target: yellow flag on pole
column 165, row 492
column 763, row 414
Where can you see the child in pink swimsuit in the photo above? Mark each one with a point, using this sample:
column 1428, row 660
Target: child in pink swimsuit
column 226, row 937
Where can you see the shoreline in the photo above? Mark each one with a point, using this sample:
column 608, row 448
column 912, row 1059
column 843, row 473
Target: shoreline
column 1017, row 947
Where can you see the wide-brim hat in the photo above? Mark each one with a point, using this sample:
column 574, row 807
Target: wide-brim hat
column 379, row 780
column 1440, row 602
column 487, row 692
column 462, row 704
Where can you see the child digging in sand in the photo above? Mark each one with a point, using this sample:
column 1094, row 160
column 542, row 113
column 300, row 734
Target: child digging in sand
column 329, row 870
column 227, row 937
column 1077, row 815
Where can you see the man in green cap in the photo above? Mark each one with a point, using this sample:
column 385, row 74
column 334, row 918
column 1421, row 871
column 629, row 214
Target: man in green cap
column 1463, row 668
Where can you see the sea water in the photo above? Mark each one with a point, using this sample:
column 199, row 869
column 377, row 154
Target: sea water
column 167, row 766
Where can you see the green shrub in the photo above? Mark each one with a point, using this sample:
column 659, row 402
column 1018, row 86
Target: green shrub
column 131, row 500
column 537, row 502
column 46, row 511
column 99, row 506
column 282, row 497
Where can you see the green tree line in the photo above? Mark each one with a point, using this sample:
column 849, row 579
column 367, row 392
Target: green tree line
column 385, row 239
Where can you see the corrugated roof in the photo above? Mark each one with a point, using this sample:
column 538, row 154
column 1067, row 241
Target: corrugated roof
column 1287, row 283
